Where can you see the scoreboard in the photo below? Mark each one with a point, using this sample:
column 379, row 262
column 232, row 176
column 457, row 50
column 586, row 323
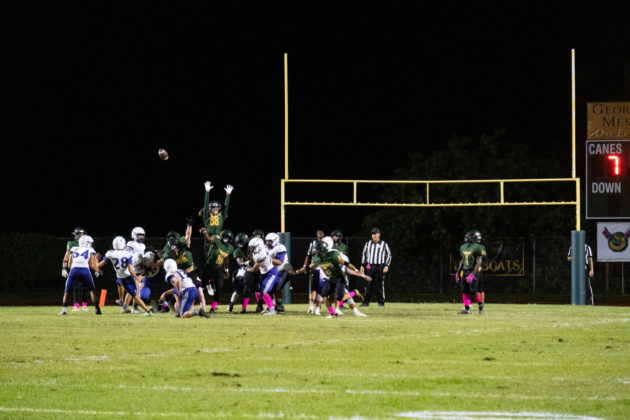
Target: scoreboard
column 608, row 179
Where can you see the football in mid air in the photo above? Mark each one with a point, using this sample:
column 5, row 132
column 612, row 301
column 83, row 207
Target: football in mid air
column 163, row 154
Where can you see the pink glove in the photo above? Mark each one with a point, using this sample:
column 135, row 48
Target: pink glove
column 457, row 278
column 470, row 278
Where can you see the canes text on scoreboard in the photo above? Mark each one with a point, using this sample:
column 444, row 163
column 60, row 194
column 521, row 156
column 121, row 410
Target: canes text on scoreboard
column 607, row 181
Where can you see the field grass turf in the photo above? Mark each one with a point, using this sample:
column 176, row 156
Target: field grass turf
column 403, row 361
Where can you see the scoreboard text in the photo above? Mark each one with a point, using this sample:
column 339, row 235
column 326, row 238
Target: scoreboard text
column 607, row 179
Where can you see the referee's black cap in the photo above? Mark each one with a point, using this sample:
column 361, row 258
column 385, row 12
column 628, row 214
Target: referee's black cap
column 376, row 230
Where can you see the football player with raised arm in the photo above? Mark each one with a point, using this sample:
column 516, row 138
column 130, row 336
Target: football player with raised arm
column 467, row 274
column 81, row 259
column 121, row 258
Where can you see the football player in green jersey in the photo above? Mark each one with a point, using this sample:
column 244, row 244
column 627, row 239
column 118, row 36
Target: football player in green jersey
column 333, row 287
column 467, row 274
column 217, row 260
column 211, row 214
column 484, row 261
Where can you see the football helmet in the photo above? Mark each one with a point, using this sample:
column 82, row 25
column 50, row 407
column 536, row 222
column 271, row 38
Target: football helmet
column 227, row 236
column 258, row 232
column 336, row 233
column 476, row 236
column 320, row 248
column 241, row 240
column 328, row 243
column 86, row 241
column 272, row 239
column 255, row 245
column 172, row 235
column 170, row 265
column 119, row 242
column 78, row 232
column 137, row 234
column 148, row 258
column 468, row 237
column 213, row 204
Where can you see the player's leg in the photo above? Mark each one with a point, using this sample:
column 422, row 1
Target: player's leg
column 283, row 278
column 186, row 309
column 130, row 287
column 70, row 283
column 77, row 293
column 343, row 295
column 268, row 286
column 465, row 292
column 369, row 285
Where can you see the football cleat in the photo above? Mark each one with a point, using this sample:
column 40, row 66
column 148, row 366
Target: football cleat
column 125, row 311
column 338, row 311
column 84, row 308
column 135, row 311
column 317, row 311
column 271, row 311
column 98, row 311
column 464, row 312
column 243, row 311
column 331, row 316
column 63, row 312
column 310, row 310
column 360, row 314
column 203, row 313
column 119, row 302
column 75, row 309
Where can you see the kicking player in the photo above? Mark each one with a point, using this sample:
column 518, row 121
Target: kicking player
column 466, row 276
column 263, row 264
column 217, row 261
column 279, row 258
column 121, row 258
column 81, row 259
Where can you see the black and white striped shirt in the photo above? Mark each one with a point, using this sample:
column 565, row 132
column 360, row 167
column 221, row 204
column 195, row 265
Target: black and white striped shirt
column 376, row 253
column 588, row 253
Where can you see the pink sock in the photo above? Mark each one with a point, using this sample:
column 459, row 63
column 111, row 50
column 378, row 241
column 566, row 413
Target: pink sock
column 76, row 305
column 332, row 311
column 268, row 300
column 245, row 302
column 214, row 305
column 84, row 304
column 466, row 300
column 257, row 296
column 352, row 294
column 478, row 298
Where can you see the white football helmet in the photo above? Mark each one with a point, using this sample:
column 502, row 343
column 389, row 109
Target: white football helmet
column 271, row 240
column 119, row 242
column 86, row 241
column 256, row 245
column 148, row 258
column 136, row 232
column 170, row 266
column 328, row 242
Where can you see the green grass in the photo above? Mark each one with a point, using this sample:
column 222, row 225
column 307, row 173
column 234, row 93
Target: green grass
column 559, row 360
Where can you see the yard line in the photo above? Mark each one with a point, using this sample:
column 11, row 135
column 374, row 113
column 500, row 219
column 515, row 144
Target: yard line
column 490, row 415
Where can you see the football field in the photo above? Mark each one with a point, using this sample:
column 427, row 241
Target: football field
column 403, row 361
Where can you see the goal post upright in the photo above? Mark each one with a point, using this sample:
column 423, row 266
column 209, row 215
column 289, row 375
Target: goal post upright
column 286, row 143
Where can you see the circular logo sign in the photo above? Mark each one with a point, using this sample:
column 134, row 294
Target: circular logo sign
column 618, row 242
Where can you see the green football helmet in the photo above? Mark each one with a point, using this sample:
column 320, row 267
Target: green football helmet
column 227, row 236
column 172, row 235
column 336, row 233
column 213, row 204
column 241, row 240
column 258, row 232
column 78, row 232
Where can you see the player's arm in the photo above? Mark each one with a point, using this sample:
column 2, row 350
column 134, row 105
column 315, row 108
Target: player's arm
column 206, row 211
column 354, row 272
column 591, row 272
column 65, row 264
column 164, row 295
column 459, row 267
column 137, row 278
column 228, row 192
column 188, row 235
column 93, row 262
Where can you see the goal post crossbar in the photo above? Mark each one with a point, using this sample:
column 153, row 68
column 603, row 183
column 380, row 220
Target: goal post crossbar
column 427, row 199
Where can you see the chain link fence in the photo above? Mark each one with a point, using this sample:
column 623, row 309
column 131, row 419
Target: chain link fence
column 31, row 267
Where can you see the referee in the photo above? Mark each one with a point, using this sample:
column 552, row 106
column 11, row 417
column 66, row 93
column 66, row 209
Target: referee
column 588, row 259
column 375, row 263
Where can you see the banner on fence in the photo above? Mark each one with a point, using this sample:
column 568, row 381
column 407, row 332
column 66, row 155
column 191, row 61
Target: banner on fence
column 612, row 242
column 505, row 257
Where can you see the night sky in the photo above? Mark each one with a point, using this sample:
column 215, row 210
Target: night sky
column 90, row 91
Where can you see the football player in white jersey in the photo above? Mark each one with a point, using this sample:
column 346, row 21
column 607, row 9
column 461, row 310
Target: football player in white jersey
column 121, row 258
column 82, row 258
column 184, row 289
column 279, row 258
column 262, row 263
column 137, row 245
